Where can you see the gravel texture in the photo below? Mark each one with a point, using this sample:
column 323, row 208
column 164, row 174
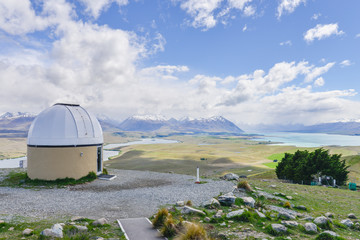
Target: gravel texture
column 131, row 194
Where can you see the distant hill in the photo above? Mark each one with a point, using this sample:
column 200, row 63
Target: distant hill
column 349, row 128
column 150, row 123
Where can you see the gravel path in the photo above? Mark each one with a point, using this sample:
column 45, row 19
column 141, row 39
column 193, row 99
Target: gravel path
column 131, row 194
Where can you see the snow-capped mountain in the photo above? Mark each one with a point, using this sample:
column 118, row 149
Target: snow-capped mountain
column 15, row 124
column 159, row 123
column 11, row 115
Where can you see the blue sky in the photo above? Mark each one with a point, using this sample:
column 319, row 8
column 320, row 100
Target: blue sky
column 252, row 61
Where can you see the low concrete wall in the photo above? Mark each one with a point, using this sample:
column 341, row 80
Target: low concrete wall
column 52, row 163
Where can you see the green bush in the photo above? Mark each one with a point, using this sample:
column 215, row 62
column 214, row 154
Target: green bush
column 160, row 218
column 301, row 165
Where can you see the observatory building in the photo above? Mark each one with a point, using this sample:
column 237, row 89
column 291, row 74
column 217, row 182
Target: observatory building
column 63, row 141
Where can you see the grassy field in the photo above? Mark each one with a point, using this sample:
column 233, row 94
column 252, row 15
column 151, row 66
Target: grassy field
column 12, row 147
column 219, row 155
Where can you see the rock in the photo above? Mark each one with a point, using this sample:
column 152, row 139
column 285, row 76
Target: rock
column 56, row 231
column 257, row 188
column 279, row 228
column 212, row 203
column 308, row 218
column 77, row 218
column 334, row 234
column 230, row 176
column 347, row 222
column 249, row 201
column 235, row 213
column 301, row 207
column 11, row 229
column 329, row 215
column 227, row 199
column 81, row 228
column 272, row 186
column 2, row 221
column 218, row 214
column 286, row 216
column 260, row 214
column 290, row 223
column 351, row 216
column 223, row 224
column 27, row 232
column 207, row 219
column 100, row 222
column 180, row 203
column 310, row 227
column 289, row 197
column 190, row 210
column 321, row 220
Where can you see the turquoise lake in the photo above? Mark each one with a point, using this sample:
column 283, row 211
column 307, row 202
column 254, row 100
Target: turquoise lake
column 309, row 139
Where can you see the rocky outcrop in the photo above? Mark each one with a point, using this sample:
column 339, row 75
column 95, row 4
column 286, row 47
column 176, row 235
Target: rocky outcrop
column 310, row 227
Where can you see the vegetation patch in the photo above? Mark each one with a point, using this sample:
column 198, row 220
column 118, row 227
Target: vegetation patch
column 21, row 179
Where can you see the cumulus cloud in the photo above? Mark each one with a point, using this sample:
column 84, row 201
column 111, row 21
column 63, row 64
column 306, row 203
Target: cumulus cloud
column 207, row 13
column 321, row 31
column 346, row 63
column 95, row 7
column 101, row 68
column 288, row 6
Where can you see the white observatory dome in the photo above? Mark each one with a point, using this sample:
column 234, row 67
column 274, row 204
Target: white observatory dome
column 65, row 125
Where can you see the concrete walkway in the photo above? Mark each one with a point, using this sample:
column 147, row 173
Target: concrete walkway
column 139, row 229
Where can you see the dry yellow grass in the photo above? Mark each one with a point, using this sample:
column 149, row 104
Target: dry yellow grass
column 12, row 147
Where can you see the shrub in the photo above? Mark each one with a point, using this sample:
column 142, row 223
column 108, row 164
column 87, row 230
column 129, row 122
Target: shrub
column 169, row 228
column 160, row 217
column 247, row 216
column 188, row 203
column 287, row 204
column 245, row 185
column 193, row 232
column 327, row 236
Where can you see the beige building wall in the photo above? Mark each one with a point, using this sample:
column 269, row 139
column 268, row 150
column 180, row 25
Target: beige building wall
column 49, row 163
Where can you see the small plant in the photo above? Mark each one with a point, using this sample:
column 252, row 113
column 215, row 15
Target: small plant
column 245, row 185
column 339, row 224
column 105, row 171
column 327, row 236
column 239, row 201
column 169, row 227
column 287, row 204
column 193, row 232
column 160, row 217
column 188, row 203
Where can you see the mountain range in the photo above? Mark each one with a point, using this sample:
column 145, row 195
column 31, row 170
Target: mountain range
column 16, row 124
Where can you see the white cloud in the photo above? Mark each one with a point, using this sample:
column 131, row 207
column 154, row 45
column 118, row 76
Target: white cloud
column 346, row 63
column 244, row 28
column 249, row 11
column 207, row 13
column 357, row 35
column 316, row 16
column 288, row 6
column 202, row 12
column 286, row 43
column 319, row 82
column 314, row 72
column 321, row 31
column 95, row 7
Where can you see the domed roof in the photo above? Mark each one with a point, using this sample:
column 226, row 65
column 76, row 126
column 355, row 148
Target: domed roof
column 65, row 125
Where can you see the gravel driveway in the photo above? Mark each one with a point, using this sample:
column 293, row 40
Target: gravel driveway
column 131, row 194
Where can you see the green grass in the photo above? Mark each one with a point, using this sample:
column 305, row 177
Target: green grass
column 111, row 230
column 276, row 156
column 20, row 179
column 271, row 164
